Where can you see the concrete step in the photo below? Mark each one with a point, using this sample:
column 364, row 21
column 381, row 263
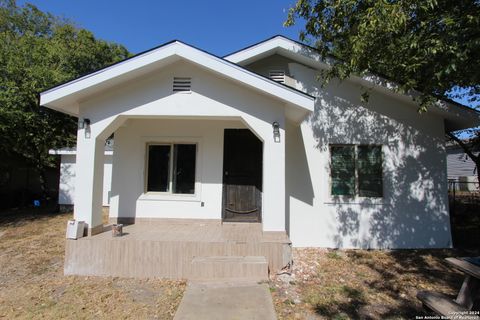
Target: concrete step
column 229, row 268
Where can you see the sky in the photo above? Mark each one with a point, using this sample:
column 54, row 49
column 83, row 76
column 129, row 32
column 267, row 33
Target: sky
column 216, row 26
column 219, row 27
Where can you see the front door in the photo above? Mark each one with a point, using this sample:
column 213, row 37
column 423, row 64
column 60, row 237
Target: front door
column 242, row 176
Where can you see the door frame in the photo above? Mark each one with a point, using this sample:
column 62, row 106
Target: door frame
column 224, row 191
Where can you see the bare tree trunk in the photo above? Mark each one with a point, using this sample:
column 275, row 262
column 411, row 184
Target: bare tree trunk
column 43, row 183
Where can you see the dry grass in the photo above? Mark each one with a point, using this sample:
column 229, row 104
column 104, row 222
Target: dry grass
column 32, row 284
column 360, row 284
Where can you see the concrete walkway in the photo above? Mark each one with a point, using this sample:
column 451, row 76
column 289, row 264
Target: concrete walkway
column 226, row 301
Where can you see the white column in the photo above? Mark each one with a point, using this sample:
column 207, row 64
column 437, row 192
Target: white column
column 274, row 181
column 89, row 181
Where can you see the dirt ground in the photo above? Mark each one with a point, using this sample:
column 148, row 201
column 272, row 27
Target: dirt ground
column 361, row 284
column 32, row 284
column 323, row 284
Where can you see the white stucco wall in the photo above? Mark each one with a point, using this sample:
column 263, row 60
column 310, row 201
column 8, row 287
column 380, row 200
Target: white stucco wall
column 412, row 213
column 414, row 209
column 128, row 194
column 209, row 108
column 66, row 190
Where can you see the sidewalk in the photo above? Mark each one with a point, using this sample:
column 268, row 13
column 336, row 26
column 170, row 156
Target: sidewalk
column 226, row 300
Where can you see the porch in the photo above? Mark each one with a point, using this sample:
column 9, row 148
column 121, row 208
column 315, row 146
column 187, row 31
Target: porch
column 181, row 249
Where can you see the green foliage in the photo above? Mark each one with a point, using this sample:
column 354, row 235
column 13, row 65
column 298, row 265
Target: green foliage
column 431, row 46
column 427, row 45
column 38, row 51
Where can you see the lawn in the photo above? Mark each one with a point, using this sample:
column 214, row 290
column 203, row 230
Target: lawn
column 324, row 284
column 361, row 284
column 32, row 284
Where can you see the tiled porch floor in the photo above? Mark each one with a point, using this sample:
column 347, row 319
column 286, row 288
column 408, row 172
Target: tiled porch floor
column 165, row 248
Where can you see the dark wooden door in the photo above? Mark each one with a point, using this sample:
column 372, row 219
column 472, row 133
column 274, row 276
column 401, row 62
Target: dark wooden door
column 242, row 176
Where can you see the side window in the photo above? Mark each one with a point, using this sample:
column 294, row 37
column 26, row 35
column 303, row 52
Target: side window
column 356, row 171
column 343, row 170
column 369, row 172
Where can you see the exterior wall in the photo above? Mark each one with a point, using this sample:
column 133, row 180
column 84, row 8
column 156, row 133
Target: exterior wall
column 151, row 97
column 413, row 212
column 129, row 199
column 66, row 190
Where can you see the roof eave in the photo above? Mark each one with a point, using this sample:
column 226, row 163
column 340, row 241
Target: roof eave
column 457, row 116
column 61, row 97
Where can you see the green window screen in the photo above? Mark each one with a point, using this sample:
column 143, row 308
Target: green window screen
column 369, row 167
column 343, row 170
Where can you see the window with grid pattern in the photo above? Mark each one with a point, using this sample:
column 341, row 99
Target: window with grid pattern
column 356, row 170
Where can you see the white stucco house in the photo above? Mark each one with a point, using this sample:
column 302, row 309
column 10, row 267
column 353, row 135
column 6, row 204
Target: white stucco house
column 253, row 139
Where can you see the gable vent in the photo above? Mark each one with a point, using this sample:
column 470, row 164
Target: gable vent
column 182, row 84
column 277, row 75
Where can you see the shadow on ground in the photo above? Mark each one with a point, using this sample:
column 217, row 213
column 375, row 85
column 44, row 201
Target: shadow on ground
column 18, row 216
column 395, row 278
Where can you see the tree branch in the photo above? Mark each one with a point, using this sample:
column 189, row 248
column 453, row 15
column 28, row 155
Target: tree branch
column 464, row 147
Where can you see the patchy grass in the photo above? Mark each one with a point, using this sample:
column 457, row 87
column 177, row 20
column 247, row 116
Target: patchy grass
column 361, row 284
column 32, row 283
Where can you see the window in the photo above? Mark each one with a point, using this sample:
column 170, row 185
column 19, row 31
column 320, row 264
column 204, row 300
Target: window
column 356, row 170
column 171, row 168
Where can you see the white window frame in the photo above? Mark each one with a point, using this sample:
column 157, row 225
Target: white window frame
column 169, row 195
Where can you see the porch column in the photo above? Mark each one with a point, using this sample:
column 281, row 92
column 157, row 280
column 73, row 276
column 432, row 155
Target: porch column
column 274, row 181
column 89, row 181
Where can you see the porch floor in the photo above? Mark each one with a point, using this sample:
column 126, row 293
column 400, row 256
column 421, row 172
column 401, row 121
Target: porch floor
column 195, row 231
column 166, row 248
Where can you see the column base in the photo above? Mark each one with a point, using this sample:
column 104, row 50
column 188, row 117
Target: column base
column 95, row 230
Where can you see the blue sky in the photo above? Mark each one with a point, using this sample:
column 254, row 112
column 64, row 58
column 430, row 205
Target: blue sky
column 217, row 26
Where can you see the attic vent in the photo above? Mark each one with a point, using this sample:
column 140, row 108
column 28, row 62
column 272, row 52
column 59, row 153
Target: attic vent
column 182, row 84
column 277, row 75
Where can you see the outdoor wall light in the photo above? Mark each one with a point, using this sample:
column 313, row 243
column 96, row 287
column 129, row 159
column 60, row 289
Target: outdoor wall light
column 82, row 123
column 276, row 131
column 85, row 124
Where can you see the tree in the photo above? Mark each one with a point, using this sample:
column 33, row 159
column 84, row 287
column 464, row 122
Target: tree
column 430, row 46
column 38, row 51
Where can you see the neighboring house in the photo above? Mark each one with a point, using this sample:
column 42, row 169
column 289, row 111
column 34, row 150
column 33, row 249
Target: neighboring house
column 461, row 170
column 66, row 186
column 253, row 138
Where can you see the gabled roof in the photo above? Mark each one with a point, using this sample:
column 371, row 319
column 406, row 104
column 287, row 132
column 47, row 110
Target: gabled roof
column 456, row 116
column 65, row 97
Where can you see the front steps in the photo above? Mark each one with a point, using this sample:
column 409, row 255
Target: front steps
column 229, row 268
column 166, row 249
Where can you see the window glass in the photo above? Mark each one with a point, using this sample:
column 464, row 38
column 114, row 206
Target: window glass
column 158, row 168
column 184, row 168
column 369, row 164
column 343, row 170
column 171, row 168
